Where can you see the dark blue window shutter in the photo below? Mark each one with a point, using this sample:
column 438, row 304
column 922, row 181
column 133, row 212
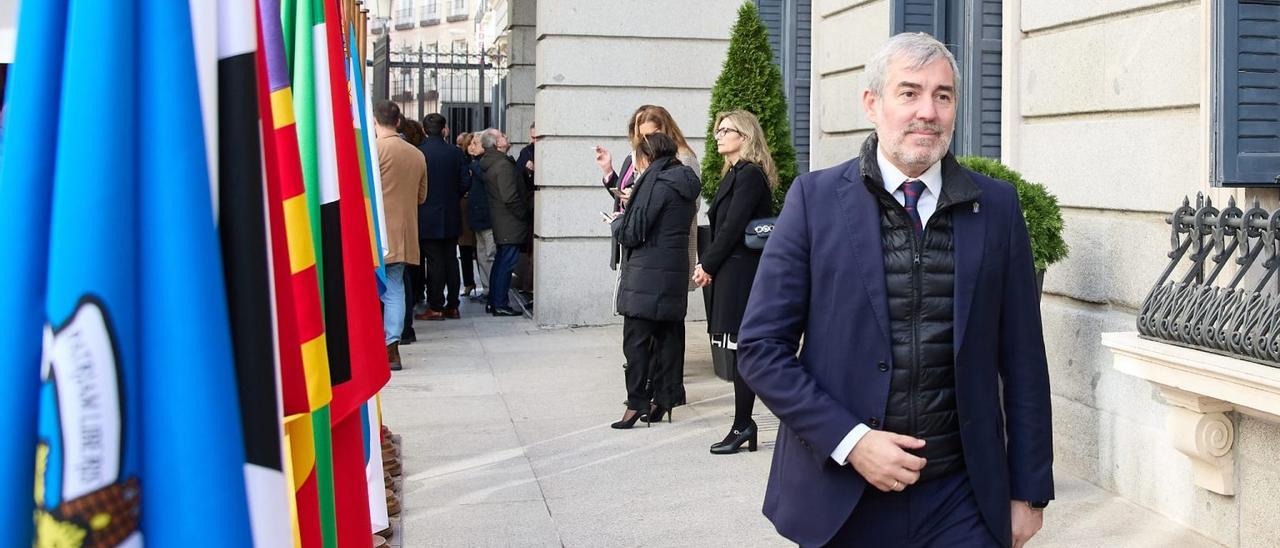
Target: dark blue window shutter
column 971, row 29
column 790, row 38
column 981, row 69
column 1248, row 140
column 771, row 13
column 927, row 16
column 803, row 76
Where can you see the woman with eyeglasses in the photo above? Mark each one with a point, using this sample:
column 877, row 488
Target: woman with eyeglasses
column 727, row 265
column 653, row 232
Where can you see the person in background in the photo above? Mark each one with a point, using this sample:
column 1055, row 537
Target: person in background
column 525, row 161
column 727, row 264
column 524, row 266
column 416, row 285
column 466, row 238
column 412, row 131
column 404, row 186
column 439, row 221
column 478, row 216
column 509, row 213
column 653, row 294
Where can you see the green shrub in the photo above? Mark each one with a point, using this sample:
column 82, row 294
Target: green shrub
column 751, row 81
column 1039, row 207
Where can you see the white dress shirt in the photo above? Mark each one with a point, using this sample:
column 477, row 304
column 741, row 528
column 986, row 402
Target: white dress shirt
column 893, row 179
column 928, row 203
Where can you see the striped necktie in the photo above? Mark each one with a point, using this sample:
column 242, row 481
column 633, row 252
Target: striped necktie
column 911, row 190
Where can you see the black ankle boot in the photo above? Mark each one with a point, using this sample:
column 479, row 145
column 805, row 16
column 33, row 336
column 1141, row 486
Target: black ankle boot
column 735, row 439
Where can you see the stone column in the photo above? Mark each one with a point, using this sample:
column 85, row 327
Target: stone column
column 596, row 63
column 519, row 88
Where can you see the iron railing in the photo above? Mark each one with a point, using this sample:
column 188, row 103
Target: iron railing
column 1196, row 308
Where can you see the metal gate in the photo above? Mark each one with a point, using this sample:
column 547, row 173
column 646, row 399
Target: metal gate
column 456, row 80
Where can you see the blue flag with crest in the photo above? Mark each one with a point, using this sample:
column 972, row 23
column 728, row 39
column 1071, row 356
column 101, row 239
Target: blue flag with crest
column 138, row 432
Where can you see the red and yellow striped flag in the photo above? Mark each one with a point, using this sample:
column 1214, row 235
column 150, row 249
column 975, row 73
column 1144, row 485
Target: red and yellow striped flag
column 304, row 357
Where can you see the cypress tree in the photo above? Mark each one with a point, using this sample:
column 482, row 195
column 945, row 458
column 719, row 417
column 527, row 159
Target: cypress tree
column 751, row 81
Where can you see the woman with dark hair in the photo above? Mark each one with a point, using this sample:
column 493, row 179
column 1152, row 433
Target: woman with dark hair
column 648, row 120
column 467, row 237
column 727, row 264
column 653, row 232
column 412, row 131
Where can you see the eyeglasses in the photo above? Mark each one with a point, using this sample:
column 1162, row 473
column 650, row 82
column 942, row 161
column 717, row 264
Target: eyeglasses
column 721, row 132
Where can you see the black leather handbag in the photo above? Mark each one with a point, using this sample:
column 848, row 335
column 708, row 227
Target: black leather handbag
column 757, row 233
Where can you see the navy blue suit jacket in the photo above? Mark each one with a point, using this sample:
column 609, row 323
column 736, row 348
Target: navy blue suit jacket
column 440, row 217
column 822, row 279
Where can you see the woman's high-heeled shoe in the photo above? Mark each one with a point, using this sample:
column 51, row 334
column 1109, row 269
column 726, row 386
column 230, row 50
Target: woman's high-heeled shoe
column 656, row 412
column 735, row 439
column 628, row 419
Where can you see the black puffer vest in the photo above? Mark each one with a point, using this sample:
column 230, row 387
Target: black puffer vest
column 920, row 282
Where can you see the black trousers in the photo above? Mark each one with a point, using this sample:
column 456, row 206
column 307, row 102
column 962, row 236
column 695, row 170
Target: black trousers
column 415, row 284
column 442, row 272
column 409, row 300
column 468, row 255
column 654, row 352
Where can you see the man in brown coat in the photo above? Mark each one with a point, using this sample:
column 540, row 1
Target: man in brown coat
column 404, row 187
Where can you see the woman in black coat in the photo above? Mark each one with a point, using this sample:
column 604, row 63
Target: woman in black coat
column 653, row 291
column 727, row 265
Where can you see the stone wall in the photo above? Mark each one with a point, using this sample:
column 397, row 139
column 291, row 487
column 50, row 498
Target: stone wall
column 845, row 35
column 597, row 61
column 1109, row 106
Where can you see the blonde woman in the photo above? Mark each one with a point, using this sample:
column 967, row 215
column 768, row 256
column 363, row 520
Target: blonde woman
column 727, row 264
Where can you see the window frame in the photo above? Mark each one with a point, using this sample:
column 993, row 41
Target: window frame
column 956, row 23
column 1224, row 99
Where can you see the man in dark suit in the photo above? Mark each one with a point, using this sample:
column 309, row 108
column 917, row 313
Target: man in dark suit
column 439, row 220
column 917, row 411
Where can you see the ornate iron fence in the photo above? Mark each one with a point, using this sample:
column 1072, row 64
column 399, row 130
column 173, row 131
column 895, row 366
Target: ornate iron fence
column 1238, row 317
column 456, row 80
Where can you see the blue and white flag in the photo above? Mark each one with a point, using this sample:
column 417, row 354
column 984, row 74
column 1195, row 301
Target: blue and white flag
column 138, row 425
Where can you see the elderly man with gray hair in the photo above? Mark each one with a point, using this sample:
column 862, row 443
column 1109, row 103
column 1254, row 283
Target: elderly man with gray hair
column 917, row 413
column 509, row 212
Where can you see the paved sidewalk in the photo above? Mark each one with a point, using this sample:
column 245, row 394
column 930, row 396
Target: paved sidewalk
column 506, row 442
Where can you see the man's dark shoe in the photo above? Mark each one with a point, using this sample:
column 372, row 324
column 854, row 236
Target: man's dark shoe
column 452, row 314
column 505, row 311
column 393, row 356
column 430, row 315
column 408, row 337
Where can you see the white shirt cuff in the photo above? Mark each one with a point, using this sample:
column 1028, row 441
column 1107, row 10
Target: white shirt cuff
column 846, row 445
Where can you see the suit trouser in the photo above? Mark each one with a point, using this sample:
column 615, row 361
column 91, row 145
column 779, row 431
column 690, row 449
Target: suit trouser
column 503, row 263
column 442, row 272
column 941, row 512
column 485, row 252
column 652, row 349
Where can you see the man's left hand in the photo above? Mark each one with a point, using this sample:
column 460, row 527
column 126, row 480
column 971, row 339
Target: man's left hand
column 1026, row 522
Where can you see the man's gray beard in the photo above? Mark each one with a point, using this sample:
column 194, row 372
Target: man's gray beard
column 920, row 161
